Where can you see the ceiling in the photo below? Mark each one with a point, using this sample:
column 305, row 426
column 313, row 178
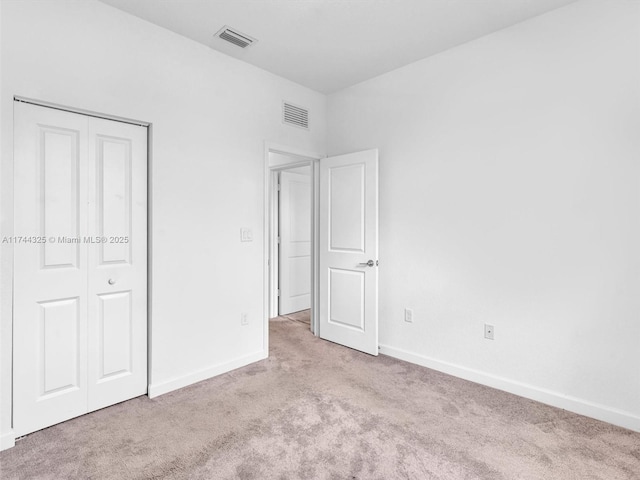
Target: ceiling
column 328, row 45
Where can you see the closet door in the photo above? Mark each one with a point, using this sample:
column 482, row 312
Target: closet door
column 50, row 267
column 117, row 273
column 80, row 262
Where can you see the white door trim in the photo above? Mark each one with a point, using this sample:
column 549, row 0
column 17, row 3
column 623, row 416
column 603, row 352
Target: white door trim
column 88, row 113
column 8, row 437
column 299, row 158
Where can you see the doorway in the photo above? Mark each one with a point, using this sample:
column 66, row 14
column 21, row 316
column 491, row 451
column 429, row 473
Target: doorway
column 348, row 250
column 291, row 236
column 294, row 240
column 344, row 245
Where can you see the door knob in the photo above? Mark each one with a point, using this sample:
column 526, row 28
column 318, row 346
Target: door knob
column 111, row 281
column 370, row 263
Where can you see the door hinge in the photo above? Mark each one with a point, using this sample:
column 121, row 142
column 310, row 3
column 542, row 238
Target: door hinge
column 278, row 292
column 278, row 240
column 279, row 187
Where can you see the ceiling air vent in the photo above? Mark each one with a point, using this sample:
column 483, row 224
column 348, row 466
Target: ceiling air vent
column 294, row 115
column 233, row 36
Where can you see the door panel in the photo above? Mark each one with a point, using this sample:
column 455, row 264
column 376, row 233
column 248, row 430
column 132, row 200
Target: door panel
column 346, row 298
column 59, row 334
column 80, row 317
column 347, row 209
column 114, row 196
column 114, row 335
column 117, row 277
column 50, row 270
column 60, row 189
column 299, row 273
column 295, row 242
column 348, row 240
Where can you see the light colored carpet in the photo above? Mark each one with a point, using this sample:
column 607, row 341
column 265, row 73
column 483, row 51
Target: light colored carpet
column 315, row 410
column 303, row 316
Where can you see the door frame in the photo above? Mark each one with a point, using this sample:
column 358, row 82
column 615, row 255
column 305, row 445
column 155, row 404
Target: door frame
column 11, row 206
column 298, row 158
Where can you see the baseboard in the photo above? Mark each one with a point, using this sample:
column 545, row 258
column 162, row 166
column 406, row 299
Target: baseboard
column 7, row 440
column 157, row 389
column 549, row 397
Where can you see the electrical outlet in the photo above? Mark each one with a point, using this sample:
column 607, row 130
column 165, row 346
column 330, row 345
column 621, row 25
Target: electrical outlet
column 244, row 319
column 408, row 315
column 488, row 331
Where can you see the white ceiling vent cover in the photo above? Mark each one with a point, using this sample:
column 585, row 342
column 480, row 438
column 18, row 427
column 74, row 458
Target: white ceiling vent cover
column 233, row 36
column 295, row 115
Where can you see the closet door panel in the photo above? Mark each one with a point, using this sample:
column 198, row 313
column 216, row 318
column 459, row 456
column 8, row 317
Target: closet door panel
column 50, row 267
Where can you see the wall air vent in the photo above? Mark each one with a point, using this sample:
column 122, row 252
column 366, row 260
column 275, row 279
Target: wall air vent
column 235, row 37
column 295, row 115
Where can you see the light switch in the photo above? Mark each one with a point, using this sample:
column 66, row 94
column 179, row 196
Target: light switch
column 246, row 235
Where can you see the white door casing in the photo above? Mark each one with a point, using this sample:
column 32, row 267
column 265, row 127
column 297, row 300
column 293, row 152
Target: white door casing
column 79, row 342
column 349, row 250
column 295, row 242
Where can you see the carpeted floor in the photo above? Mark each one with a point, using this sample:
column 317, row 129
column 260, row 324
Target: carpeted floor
column 303, row 316
column 315, row 410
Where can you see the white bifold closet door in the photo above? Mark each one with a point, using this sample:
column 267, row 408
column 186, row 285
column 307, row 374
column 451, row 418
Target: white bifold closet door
column 80, row 265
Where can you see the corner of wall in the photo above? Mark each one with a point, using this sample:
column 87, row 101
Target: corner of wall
column 7, row 440
column 160, row 388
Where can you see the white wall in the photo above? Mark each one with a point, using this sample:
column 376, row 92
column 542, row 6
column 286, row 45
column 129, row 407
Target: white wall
column 510, row 195
column 211, row 116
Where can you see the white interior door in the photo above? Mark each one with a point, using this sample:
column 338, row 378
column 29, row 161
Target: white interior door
column 50, row 277
column 117, row 281
column 79, row 340
column 295, row 242
column 349, row 250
